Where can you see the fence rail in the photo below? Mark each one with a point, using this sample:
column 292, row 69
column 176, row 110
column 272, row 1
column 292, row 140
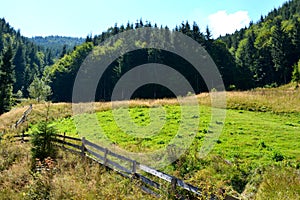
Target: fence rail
column 109, row 159
column 24, row 117
column 23, row 137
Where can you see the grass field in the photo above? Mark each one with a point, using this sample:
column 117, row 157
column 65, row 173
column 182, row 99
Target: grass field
column 257, row 156
column 246, row 135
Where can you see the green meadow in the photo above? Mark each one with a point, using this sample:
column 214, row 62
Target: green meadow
column 254, row 137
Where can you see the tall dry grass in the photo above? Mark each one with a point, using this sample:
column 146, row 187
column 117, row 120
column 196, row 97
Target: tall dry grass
column 273, row 100
column 279, row 183
column 68, row 177
column 14, row 169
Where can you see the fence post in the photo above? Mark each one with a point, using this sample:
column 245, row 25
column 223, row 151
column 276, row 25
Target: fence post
column 105, row 156
column 64, row 139
column 173, row 184
column 22, row 140
column 134, row 167
column 82, row 147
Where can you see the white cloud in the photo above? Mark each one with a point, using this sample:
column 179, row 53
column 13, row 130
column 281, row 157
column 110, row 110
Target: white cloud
column 221, row 22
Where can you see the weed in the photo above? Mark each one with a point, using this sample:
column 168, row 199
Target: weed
column 277, row 156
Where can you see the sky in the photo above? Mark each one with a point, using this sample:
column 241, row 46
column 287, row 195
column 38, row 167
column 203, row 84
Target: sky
column 81, row 18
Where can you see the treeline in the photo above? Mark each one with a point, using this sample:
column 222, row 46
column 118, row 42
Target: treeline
column 64, row 71
column 58, row 44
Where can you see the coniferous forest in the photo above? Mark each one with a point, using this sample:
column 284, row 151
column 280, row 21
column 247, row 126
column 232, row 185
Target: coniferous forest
column 20, row 61
column 264, row 54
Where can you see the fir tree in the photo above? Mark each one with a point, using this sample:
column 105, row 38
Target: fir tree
column 6, row 80
column 19, row 62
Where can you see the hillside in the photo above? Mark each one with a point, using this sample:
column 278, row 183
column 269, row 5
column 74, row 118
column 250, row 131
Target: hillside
column 265, row 54
column 20, row 61
column 269, row 50
column 57, row 43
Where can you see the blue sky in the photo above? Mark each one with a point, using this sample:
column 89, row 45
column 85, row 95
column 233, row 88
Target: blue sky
column 80, row 18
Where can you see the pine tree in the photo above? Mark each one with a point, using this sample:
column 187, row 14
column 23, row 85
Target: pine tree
column 6, row 80
column 122, row 28
column 141, row 23
column 196, row 34
column 296, row 73
column 1, row 41
column 64, row 50
column 296, row 39
column 188, row 29
column 128, row 27
column 208, row 34
column 48, row 58
column 251, row 56
column 19, row 62
column 280, row 44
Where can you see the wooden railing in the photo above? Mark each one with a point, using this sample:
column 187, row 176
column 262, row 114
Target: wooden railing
column 126, row 166
column 24, row 117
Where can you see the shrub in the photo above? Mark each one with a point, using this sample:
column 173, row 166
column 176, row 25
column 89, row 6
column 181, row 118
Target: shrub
column 262, row 144
column 277, row 156
column 231, row 88
column 42, row 142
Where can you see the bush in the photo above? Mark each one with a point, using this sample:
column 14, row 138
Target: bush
column 231, row 88
column 277, row 156
column 262, row 144
column 42, row 142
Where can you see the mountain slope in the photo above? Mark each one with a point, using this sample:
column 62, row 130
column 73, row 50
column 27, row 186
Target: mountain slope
column 270, row 48
column 265, row 54
column 57, row 43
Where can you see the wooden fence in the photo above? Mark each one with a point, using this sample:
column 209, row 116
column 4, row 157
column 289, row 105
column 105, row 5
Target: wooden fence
column 24, row 117
column 123, row 165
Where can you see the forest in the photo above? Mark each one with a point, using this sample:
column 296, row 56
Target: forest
column 20, row 61
column 58, row 44
column 264, row 54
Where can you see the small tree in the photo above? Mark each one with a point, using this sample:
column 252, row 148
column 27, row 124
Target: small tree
column 42, row 141
column 296, row 73
column 39, row 89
